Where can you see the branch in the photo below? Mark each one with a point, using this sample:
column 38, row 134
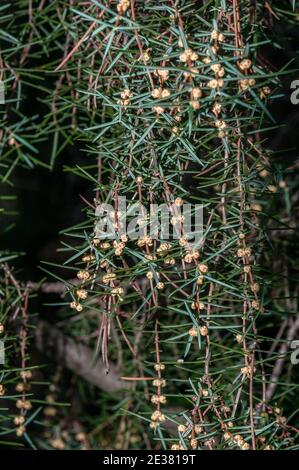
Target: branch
column 77, row 357
column 53, row 287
